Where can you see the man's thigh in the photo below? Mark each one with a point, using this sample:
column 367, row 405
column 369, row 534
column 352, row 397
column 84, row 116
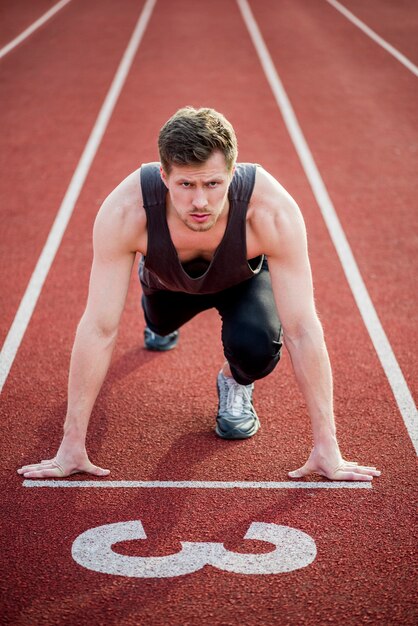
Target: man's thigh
column 251, row 329
column 250, row 303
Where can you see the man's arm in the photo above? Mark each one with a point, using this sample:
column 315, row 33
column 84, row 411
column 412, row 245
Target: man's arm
column 281, row 229
column 114, row 254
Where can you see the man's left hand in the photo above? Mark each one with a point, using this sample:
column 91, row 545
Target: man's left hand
column 334, row 467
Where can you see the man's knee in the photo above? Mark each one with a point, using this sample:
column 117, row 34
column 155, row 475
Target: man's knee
column 253, row 351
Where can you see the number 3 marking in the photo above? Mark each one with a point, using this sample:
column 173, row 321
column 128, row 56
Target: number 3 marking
column 93, row 550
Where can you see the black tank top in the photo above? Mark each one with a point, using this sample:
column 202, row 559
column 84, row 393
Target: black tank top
column 162, row 269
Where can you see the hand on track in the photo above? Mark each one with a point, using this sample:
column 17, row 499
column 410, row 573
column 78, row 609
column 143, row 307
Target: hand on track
column 60, row 469
column 334, row 467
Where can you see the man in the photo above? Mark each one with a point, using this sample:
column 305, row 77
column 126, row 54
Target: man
column 205, row 227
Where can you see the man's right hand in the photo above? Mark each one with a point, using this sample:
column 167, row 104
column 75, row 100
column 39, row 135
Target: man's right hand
column 60, row 467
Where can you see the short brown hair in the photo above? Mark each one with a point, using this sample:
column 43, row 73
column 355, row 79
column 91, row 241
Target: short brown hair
column 191, row 135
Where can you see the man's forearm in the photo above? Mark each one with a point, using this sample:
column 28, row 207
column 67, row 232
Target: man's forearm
column 312, row 369
column 90, row 361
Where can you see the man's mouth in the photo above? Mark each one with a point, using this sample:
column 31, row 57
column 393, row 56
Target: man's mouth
column 200, row 217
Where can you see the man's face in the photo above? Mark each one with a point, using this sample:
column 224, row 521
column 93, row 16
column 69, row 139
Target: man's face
column 198, row 193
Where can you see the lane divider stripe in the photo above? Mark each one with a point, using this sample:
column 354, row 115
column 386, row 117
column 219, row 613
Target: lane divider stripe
column 365, row 305
column 192, row 484
column 31, row 29
column 34, row 288
column 371, row 33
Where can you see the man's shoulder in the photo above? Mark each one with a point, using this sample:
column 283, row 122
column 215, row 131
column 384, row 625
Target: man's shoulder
column 122, row 213
column 127, row 193
column 273, row 216
column 269, row 195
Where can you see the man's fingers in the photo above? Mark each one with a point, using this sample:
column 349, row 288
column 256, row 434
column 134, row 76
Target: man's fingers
column 51, row 468
column 33, row 466
column 98, row 471
column 299, row 473
column 348, row 471
column 360, row 472
column 51, row 472
column 43, row 465
column 345, row 475
column 371, row 471
column 358, row 467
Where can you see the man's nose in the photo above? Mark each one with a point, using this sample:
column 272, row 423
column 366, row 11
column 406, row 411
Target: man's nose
column 199, row 199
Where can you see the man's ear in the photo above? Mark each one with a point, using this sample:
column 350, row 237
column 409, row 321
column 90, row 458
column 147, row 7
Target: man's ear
column 163, row 176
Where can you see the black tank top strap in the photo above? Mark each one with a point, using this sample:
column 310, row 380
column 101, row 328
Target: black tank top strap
column 243, row 182
column 153, row 189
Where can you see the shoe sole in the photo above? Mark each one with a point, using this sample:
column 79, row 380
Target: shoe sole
column 162, row 344
column 237, row 435
column 160, row 348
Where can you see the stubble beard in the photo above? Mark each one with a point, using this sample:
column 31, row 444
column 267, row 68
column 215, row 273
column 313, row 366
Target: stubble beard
column 200, row 228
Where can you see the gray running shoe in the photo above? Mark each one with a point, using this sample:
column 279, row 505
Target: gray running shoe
column 160, row 343
column 236, row 417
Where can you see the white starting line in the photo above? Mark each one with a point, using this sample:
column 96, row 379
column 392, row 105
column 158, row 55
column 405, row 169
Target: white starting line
column 192, row 484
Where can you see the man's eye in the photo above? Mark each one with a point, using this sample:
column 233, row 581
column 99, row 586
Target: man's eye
column 213, row 184
column 187, row 185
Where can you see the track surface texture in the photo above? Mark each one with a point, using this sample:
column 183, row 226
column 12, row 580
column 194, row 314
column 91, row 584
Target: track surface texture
column 154, row 419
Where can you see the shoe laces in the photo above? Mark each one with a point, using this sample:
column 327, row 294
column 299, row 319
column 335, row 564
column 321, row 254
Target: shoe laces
column 239, row 398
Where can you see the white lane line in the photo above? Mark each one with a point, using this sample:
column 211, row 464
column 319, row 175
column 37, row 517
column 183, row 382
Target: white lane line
column 380, row 341
column 26, row 33
column 33, row 290
column 368, row 31
column 192, row 484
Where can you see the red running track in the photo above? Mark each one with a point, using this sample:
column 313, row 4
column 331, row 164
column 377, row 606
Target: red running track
column 154, row 418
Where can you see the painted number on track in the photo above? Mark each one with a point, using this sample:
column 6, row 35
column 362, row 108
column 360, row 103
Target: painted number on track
column 93, row 550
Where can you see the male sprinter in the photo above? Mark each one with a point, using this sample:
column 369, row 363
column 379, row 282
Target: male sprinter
column 212, row 233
